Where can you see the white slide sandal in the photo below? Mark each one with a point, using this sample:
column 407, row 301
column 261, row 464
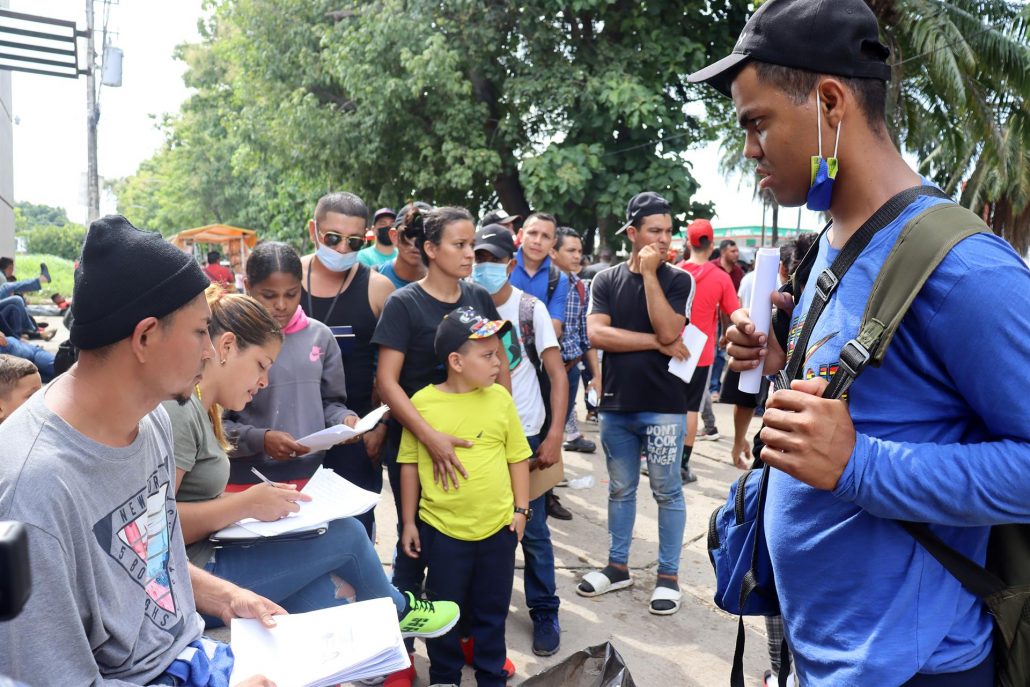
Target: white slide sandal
column 600, row 584
column 665, row 594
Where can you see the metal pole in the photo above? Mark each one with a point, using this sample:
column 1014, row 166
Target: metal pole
column 92, row 176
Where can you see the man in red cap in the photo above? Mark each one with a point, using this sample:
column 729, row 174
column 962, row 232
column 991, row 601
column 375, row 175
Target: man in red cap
column 713, row 290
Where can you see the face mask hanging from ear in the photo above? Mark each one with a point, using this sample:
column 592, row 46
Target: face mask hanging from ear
column 824, row 170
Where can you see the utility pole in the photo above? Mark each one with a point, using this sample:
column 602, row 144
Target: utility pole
column 92, row 175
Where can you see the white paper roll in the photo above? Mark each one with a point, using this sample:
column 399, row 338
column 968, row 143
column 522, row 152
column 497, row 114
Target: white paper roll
column 767, row 265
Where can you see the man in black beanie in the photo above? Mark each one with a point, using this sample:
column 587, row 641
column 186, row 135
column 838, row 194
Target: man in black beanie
column 88, row 468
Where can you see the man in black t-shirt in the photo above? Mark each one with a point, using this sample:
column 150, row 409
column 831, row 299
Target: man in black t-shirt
column 637, row 315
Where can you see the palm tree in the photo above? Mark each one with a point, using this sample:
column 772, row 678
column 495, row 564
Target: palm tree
column 960, row 93
column 959, row 101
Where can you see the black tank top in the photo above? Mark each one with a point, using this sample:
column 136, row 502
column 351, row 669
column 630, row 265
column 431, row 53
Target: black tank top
column 351, row 310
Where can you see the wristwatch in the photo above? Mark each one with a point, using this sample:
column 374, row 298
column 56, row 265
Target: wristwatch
column 528, row 512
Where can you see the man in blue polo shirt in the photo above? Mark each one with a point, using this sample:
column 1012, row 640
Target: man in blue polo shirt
column 938, row 434
column 534, row 272
column 535, row 275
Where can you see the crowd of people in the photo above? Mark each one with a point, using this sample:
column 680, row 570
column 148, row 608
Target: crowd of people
column 186, row 407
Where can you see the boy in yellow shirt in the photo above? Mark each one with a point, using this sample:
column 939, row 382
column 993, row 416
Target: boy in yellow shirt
column 468, row 536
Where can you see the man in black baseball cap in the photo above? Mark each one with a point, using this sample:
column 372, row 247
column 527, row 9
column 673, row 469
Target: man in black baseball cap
column 501, row 217
column 854, row 585
column 642, row 205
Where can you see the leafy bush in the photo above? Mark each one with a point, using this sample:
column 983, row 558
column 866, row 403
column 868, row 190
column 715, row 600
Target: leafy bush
column 65, row 242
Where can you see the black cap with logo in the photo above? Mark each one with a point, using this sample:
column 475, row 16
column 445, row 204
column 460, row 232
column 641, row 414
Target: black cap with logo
column 496, row 239
column 643, row 205
column 839, row 37
column 464, row 324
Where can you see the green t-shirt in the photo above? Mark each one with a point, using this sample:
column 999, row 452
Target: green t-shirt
column 198, row 453
column 484, row 503
column 371, row 257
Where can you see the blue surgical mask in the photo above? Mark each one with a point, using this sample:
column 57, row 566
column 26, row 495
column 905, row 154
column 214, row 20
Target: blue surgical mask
column 492, row 276
column 824, row 170
column 333, row 261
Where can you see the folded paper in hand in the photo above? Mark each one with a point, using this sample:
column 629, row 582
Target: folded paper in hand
column 321, row 648
column 331, row 436
column 332, row 498
column 694, row 339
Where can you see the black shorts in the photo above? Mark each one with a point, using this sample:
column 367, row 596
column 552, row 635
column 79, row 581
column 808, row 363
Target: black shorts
column 697, row 389
column 734, row 396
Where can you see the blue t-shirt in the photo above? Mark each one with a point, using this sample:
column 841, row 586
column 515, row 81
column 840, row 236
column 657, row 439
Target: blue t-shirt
column 943, row 436
column 537, row 285
column 386, row 269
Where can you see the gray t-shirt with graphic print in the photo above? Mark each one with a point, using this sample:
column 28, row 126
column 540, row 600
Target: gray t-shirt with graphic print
column 111, row 600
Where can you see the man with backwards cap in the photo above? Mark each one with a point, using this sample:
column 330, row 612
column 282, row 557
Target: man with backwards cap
column 88, row 469
column 637, row 314
column 935, row 434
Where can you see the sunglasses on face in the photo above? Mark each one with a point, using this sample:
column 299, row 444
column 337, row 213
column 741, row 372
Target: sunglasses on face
column 332, row 239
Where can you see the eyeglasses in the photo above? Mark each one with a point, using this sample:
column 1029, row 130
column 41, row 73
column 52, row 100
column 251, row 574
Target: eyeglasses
column 332, row 239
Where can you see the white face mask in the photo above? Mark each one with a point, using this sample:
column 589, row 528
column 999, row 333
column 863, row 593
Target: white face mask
column 333, row 261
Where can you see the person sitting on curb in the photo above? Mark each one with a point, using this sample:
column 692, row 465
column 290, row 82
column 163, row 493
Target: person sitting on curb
column 88, row 468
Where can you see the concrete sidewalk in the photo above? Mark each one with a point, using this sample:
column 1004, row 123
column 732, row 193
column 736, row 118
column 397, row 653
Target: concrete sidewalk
column 691, row 648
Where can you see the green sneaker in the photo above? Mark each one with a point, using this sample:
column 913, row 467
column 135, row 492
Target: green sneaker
column 428, row 619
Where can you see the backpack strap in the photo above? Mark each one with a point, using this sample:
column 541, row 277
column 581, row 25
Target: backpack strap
column 553, row 278
column 526, row 329
column 921, row 246
column 975, row 578
column 827, row 281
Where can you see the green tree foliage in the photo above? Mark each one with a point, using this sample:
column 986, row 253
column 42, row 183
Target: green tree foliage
column 29, row 216
column 570, row 107
column 48, row 230
column 958, row 102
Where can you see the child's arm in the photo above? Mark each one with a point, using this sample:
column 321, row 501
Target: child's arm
column 410, row 492
column 519, row 473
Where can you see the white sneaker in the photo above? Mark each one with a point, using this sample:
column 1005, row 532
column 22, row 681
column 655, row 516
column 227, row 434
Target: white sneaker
column 709, row 435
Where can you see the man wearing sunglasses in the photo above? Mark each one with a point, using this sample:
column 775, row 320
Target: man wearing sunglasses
column 348, row 297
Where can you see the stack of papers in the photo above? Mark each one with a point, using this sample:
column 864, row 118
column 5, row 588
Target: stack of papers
column 331, row 436
column 321, row 648
column 332, row 498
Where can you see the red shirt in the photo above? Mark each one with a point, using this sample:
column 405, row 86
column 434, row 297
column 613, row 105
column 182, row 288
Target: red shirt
column 713, row 290
column 221, row 274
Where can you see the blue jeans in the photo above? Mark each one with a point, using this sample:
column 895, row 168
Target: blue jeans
column 43, row 360
column 298, row 575
column 659, row 438
column 14, row 317
column 715, row 381
column 574, row 375
column 21, row 286
column 541, row 589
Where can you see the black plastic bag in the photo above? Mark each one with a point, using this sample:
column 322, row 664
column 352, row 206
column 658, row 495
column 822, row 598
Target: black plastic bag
column 595, row 666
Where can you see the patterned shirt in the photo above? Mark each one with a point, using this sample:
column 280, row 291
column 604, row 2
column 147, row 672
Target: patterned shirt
column 574, row 341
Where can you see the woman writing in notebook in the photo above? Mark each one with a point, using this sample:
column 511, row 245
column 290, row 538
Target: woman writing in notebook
column 300, row 574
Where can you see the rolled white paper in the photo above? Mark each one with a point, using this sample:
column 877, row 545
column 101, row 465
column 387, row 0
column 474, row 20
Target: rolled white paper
column 767, row 265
